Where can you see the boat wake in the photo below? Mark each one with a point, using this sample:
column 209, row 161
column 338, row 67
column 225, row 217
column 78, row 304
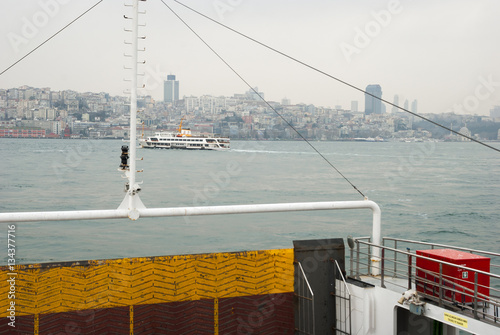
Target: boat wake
column 445, row 231
column 49, row 150
column 272, row 152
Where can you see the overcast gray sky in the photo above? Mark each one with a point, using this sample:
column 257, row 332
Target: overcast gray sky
column 443, row 53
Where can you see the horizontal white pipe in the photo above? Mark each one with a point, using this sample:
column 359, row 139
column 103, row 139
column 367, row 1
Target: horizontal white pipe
column 209, row 210
column 287, row 207
column 258, row 208
column 188, row 211
column 64, row 215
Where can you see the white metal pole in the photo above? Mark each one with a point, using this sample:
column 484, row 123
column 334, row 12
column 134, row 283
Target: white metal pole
column 376, row 239
column 133, row 104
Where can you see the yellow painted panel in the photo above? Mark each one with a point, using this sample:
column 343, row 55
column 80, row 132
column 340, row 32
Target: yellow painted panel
column 53, row 288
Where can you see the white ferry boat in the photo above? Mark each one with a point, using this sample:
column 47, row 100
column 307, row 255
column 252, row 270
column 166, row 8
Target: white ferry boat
column 184, row 139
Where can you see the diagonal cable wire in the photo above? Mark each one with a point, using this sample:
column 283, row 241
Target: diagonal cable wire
column 48, row 39
column 336, row 78
column 261, row 97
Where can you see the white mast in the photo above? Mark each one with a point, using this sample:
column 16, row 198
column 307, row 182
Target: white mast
column 133, row 100
column 132, row 201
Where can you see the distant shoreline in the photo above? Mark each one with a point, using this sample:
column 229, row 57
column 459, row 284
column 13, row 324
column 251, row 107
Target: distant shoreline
column 256, row 140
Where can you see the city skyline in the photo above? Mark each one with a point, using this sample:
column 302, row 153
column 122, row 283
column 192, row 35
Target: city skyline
column 40, row 112
column 447, row 64
column 492, row 112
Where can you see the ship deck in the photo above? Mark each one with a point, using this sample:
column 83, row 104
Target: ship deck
column 275, row 291
column 468, row 303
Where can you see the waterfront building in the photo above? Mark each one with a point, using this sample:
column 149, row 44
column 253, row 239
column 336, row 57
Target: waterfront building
column 20, row 132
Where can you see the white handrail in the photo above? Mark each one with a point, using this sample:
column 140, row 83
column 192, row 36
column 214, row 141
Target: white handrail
column 135, row 213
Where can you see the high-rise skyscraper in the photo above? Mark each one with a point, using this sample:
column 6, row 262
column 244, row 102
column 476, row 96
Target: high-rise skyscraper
column 373, row 105
column 396, row 102
column 171, row 89
column 354, row 106
column 414, row 106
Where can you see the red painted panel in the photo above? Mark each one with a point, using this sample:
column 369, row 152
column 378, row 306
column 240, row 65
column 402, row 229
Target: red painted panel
column 24, row 325
column 93, row 321
column 262, row 314
column 184, row 317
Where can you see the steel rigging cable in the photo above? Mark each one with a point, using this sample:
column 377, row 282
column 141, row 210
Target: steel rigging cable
column 333, row 77
column 48, row 39
column 288, row 123
column 281, row 53
column 265, row 101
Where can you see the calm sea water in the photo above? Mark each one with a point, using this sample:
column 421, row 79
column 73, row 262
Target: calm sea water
column 440, row 192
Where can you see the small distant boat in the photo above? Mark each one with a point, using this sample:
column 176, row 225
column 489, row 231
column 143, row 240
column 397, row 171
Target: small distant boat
column 184, row 139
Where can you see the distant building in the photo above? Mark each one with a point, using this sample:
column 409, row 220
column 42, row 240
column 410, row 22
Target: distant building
column 372, row 104
column 254, row 94
column 286, row 102
column 311, row 109
column 465, row 131
column 414, row 106
column 396, row 102
column 22, row 132
column 171, row 89
column 495, row 112
column 354, row 106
